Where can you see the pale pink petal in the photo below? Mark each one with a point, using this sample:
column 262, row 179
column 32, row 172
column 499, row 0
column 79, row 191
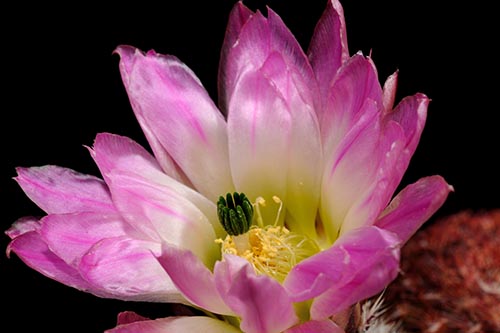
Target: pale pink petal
column 193, row 279
column 237, row 18
column 30, row 248
column 114, row 153
column 304, row 149
column 316, row 326
column 273, row 130
column 118, row 155
column 400, row 133
column 377, row 179
column 164, row 215
column 173, row 105
column 59, row 190
column 356, row 82
column 390, row 86
column 367, row 254
column 162, row 156
column 260, row 301
column 259, row 127
column 351, row 170
column 328, row 49
column 414, row 205
column 70, row 236
column 176, row 325
column 127, row 269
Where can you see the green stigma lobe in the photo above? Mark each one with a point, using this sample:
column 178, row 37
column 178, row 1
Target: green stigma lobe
column 235, row 213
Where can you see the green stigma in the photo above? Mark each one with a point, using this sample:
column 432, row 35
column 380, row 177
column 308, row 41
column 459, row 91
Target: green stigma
column 235, row 213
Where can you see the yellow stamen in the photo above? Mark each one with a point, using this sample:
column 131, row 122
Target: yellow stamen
column 271, row 249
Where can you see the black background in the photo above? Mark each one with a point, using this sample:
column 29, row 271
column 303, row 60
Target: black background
column 61, row 86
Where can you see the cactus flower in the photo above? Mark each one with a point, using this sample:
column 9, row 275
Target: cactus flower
column 273, row 211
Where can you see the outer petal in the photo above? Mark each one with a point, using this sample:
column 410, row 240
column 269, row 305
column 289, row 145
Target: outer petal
column 367, row 254
column 401, row 131
column 366, row 283
column 193, row 279
column 171, row 104
column 127, row 269
column 356, row 82
column 22, row 226
column 316, row 326
column 414, row 205
column 116, row 154
column 176, row 325
column 70, row 236
column 249, row 295
column 410, row 114
column 351, row 170
column 157, row 205
column 328, row 49
column 372, row 162
column 30, row 248
column 59, row 190
column 162, row 211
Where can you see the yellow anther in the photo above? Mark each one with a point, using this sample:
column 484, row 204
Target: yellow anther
column 272, row 250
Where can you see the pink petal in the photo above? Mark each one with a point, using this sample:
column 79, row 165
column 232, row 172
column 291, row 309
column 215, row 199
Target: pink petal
column 360, row 263
column 351, row 170
column 193, row 279
column 259, row 127
column 328, row 49
column 165, row 160
column 118, row 155
column 171, row 104
column 165, row 215
column 249, row 295
column 410, row 114
column 377, row 179
column 127, row 269
column 237, row 18
column 356, row 82
column 176, row 325
column 70, row 236
column 316, row 326
column 30, row 248
column 386, row 149
column 305, row 158
column 414, row 205
column 365, row 283
column 114, row 153
column 297, row 62
column 258, row 38
column 60, row 190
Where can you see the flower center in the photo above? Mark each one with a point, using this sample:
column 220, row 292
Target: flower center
column 271, row 249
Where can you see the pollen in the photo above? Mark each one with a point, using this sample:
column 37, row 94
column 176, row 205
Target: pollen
column 271, row 250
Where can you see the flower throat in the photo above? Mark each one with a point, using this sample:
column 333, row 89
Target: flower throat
column 271, row 249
